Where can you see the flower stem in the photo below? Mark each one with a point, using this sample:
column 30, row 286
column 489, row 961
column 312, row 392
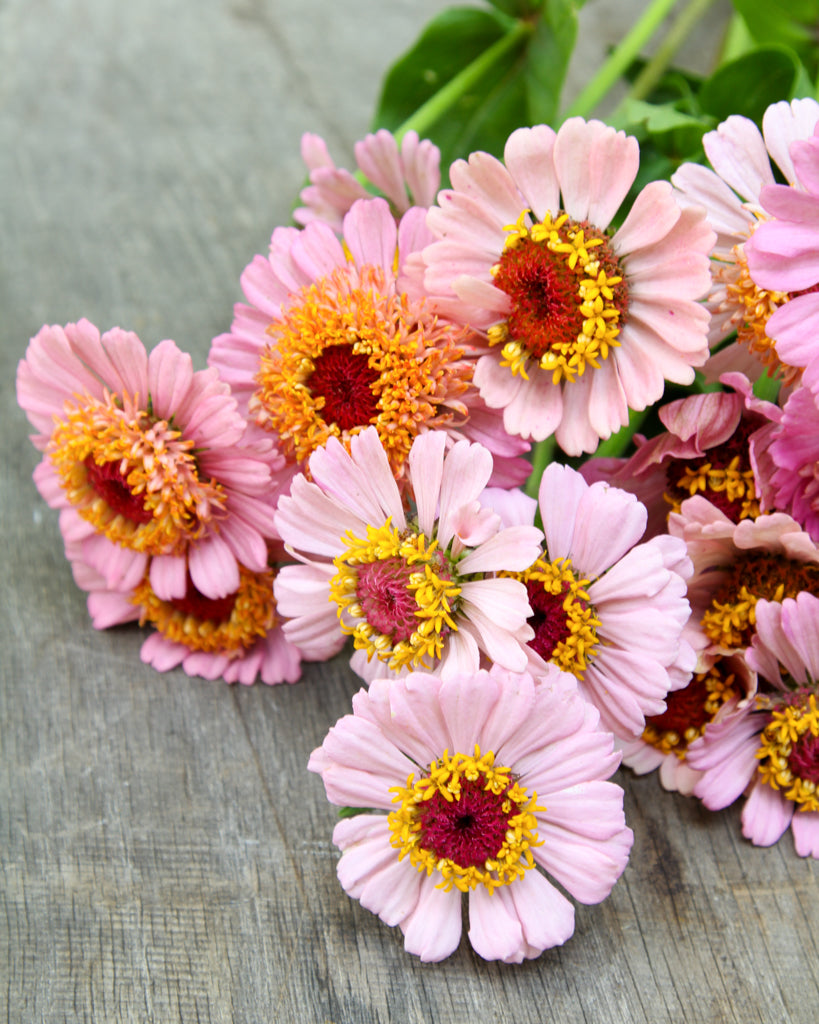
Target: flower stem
column 625, row 52
column 676, row 36
column 448, row 95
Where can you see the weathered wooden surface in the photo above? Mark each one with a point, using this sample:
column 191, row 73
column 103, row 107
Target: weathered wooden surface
column 165, row 855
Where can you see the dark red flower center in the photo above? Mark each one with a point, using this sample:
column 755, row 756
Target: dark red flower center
column 344, row 379
column 549, row 619
column 803, row 760
column 545, row 288
column 468, row 830
column 205, row 609
column 731, row 454
column 386, row 601
column 110, row 484
column 685, row 709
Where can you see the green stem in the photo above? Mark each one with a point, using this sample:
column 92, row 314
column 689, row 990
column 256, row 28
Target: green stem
column 676, row 36
column 448, row 95
column 626, row 51
column 542, row 454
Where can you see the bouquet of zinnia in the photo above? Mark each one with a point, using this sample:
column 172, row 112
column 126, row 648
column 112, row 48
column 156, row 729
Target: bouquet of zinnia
column 540, row 446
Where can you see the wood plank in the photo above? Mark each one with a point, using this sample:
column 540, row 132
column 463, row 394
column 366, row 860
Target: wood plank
column 165, row 856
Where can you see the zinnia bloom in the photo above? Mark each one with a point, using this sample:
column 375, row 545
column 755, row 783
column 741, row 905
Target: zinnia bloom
column 710, row 447
column 737, row 564
column 336, row 339
column 783, row 253
column 792, row 454
column 580, row 326
column 605, row 607
column 666, row 738
column 152, row 457
column 485, row 778
column 237, row 638
column 415, row 590
column 407, row 175
column 769, row 748
column 731, row 193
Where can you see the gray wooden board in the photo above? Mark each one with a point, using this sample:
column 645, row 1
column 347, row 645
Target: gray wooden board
column 165, row 855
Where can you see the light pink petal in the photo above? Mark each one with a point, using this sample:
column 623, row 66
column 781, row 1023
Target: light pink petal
column 433, row 930
column 595, row 549
column 371, row 234
column 426, row 467
column 466, row 472
column 586, row 868
column 736, row 151
column 652, row 215
column 726, row 755
column 377, row 156
column 161, row 653
column 328, row 520
column 484, row 178
column 596, row 166
column 213, row 568
column 545, row 915
column 528, row 157
column 590, row 809
column 495, row 930
column 559, row 496
column 805, row 829
column 766, row 815
column 109, row 608
column 168, row 576
column 784, row 123
column 121, row 568
column 466, row 703
column 513, row 549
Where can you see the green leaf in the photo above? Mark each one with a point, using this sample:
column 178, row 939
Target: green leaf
column 790, row 22
column 749, row 84
column 446, row 46
column 674, row 132
column 550, row 50
column 351, row 812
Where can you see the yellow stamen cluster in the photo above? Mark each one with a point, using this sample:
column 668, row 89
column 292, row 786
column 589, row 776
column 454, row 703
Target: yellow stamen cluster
column 752, row 307
column 420, row 370
column 734, row 483
column 566, row 360
column 726, row 623
column 430, row 583
column 155, row 462
column 251, row 617
column 788, row 725
column 445, row 777
column 573, row 653
column 718, row 690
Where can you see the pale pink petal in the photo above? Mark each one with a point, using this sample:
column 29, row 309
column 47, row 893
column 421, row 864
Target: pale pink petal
column 766, row 815
column 371, row 234
column 736, row 151
column 213, row 568
column 495, row 930
column 586, row 868
column 168, row 577
column 433, row 930
column 528, row 155
column 596, row 166
column 805, row 829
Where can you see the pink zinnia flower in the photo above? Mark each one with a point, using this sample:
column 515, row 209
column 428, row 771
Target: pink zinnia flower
column 784, row 252
column 415, row 590
column 153, row 458
column 237, row 638
column 337, row 339
column 732, row 195
column 407, row 175
column 769, row 748
column 737, row 564
column 792, row 454
column 580, row 326
column 666, row 737
column 486, row 778
column 605, row 607
column 710, row 447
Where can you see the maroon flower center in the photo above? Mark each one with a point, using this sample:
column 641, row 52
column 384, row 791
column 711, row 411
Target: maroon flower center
column 685, row 709
column 732, row 455
column 468, row 830
column 803, row 760
column 543, row 279
column 549, row 619
column 387, row 603
column 205, row 609
column 344, row 379
column 110, row 484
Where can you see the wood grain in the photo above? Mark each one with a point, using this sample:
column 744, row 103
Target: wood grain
column 165, row 855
